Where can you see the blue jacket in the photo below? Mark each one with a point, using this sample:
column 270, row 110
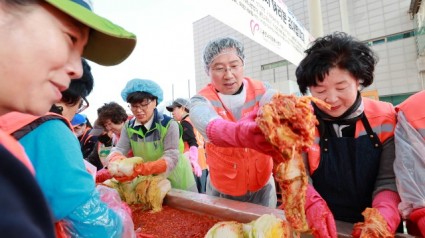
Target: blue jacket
column 69, row 189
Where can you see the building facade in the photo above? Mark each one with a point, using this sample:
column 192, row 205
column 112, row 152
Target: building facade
column 393, row 28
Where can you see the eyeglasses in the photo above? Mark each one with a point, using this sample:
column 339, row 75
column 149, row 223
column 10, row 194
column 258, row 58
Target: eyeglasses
column 140, row 106
column 222, row 69
column 84, row 104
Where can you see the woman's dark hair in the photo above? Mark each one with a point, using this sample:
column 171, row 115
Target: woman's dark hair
column 78, row 88
column 112, row 111
column 138, row 97
column 337, row 50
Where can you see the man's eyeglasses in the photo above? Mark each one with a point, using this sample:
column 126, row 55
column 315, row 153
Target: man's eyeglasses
column 84, row 104
column 222, row 69
column 140, row 106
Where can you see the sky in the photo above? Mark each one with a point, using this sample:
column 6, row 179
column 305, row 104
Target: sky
column 164, row 50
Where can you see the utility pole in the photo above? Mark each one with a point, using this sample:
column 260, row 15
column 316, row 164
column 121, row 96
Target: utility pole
column 188, row 87
column 172, row 92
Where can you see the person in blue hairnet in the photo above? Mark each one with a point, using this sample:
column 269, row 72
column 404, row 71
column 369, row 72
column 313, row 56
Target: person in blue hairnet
column 153, row 136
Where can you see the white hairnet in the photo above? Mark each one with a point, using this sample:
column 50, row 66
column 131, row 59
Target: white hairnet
column 216, row 46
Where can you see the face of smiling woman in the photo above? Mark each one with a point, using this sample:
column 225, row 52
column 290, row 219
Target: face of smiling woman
column 42, row 54
column 339, row 89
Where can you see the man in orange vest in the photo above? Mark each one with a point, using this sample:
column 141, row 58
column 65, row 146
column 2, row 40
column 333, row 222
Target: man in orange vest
column 235, row 171
column 409, row 165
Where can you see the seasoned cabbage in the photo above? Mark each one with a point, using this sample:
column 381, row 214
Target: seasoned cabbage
column 266, row 226
column 226, row 229
column 124, row 167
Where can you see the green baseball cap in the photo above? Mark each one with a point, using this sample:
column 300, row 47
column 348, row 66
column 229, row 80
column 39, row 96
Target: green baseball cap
column 108, row 43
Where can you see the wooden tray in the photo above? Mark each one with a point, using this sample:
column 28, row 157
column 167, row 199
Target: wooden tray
column 237, row 211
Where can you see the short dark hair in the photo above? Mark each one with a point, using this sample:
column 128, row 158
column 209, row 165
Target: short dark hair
column 138, row 97
column 337, row 50
column 111, row 111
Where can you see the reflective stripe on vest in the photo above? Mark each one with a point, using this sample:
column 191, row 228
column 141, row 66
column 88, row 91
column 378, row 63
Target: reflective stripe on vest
column 16, row 124
column 381, row 117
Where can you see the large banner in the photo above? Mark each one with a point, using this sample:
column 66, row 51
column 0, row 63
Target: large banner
column 268, row 22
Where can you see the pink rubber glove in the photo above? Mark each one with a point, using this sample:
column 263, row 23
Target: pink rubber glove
column 418, row 216
column 102, row 175
column 244, row 133
column 319, row 217
column 193, row 158
column 386, row 202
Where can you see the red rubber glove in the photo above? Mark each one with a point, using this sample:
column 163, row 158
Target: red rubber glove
column 102, row 175
column 139, row 234
column 154, row 167
column 386, row 202
column 418, row 216
column 147, row 168
column 244, row 133
column 319, row 217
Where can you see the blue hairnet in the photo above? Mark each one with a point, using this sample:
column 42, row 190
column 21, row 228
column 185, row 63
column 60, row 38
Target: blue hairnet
column 215, row 47
column 142, row 85
column 78, row 119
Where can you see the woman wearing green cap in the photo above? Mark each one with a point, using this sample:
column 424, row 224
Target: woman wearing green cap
column 41, row 45
column 153, row 136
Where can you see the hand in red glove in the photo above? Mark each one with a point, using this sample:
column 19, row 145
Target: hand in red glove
column 418, row 217
column 147, row 168
column 153, row 167
column 244, row 133
column 102, row 175
column 139, row 234
column 386, row 202
column 319, row 217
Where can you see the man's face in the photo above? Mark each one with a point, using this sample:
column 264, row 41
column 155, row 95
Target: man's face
column 79, row 129
column 226, row 72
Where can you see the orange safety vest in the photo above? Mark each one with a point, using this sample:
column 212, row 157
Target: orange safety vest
column 201, row 150
column 11, row 123
column 16, row 124
column 235, row 171
column 13, row 146
column 411, row 109
column 381, row 117
column 19, row 124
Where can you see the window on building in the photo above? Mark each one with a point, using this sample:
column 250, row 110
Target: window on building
column 391, row 38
